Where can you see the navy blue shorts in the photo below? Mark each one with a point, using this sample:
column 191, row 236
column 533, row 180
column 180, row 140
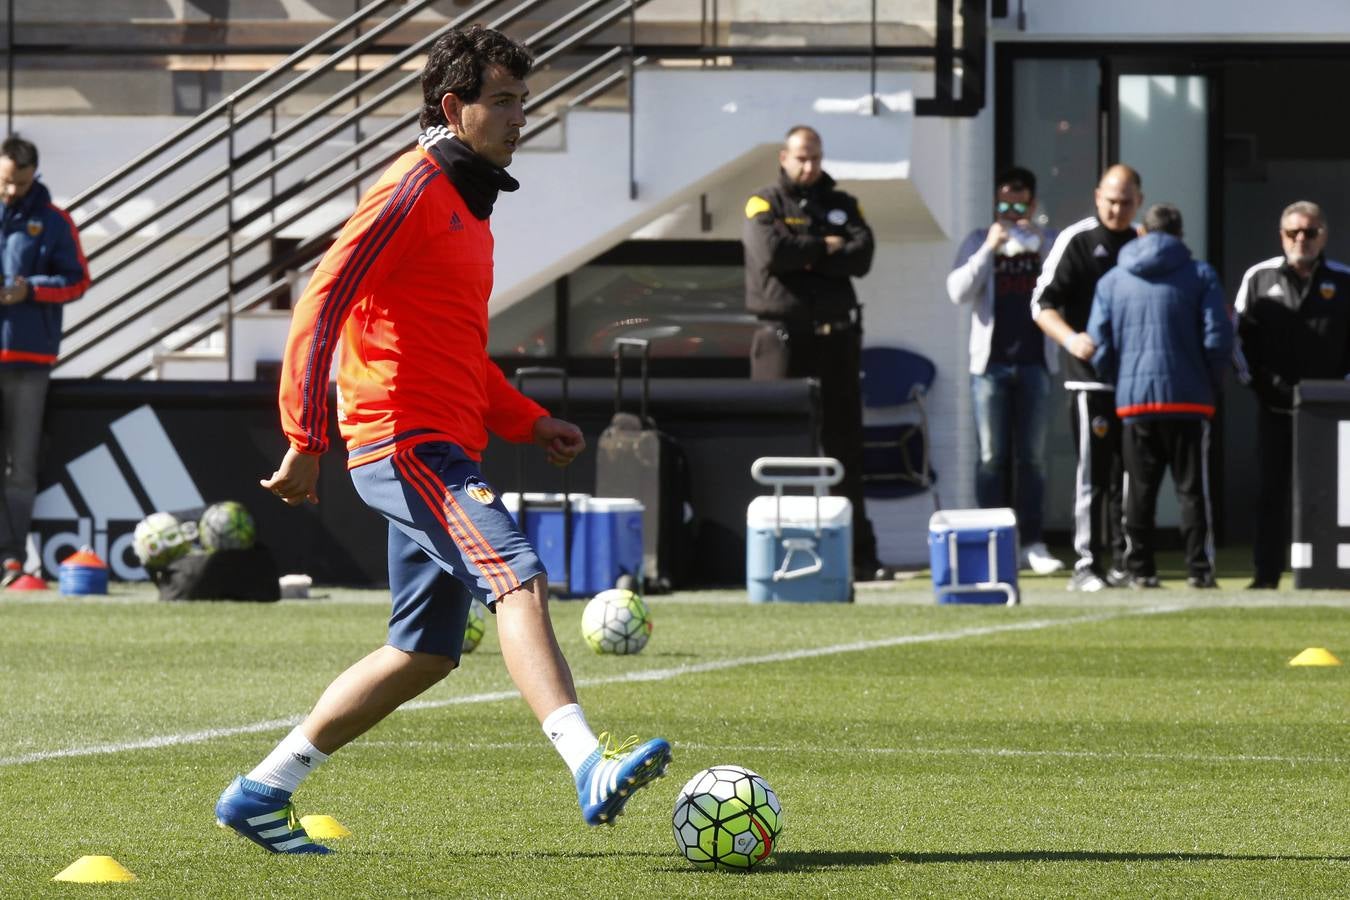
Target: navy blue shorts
column 450, row 540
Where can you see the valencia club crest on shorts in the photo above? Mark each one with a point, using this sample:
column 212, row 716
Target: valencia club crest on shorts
column 477, row 489
column 1100, row 426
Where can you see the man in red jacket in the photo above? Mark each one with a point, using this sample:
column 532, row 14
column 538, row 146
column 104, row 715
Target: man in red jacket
column 44, row 269
column 404, row 293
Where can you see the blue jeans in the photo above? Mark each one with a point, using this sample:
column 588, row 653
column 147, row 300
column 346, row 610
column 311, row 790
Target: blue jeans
column 1011, row 413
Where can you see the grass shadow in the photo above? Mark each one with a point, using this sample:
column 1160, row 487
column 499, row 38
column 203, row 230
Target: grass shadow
column 816, row 860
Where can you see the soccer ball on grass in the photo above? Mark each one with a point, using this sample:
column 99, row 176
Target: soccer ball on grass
column 727, row 817
column 160, row 538
column 227, row 526
column 616, row 621
column 475, row 627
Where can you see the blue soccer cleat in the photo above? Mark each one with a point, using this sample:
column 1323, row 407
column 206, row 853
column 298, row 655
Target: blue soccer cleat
column 610, row 775
column 264, row 815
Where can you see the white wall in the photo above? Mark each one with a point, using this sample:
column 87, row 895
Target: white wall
column 697, row 131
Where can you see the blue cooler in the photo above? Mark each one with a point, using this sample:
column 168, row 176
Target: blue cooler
column 799, row 548
column 606, row 538
column 973, row 555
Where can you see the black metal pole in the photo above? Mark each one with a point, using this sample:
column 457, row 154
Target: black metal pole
column 632, row 102
column 9, row 69
column 872, row 61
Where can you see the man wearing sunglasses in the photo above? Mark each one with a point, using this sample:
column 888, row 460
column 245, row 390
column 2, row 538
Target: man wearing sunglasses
column 1010, row 360
column 1293, row 323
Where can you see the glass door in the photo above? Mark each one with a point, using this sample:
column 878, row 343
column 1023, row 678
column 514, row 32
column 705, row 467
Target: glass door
column 1162, row 127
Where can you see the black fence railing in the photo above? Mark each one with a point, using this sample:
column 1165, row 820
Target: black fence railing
column 259, row 166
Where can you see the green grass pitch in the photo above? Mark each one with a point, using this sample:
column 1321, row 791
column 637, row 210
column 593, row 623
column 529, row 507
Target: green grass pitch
column 1127, row 744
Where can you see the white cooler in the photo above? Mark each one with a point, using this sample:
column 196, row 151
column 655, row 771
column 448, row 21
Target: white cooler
column 799, row 548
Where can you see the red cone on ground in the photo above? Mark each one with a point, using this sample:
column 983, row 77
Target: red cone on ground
column 84, row 557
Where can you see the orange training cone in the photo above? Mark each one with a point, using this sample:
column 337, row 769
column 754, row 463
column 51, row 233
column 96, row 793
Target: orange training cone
column 27, row 583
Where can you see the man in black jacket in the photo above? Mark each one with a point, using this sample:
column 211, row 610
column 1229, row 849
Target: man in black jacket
column 804, row 241
column 1293, row 323
column 1061, row 304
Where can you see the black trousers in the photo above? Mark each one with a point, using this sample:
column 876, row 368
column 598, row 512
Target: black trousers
column 835, row 360
column 1274, row 493
column 1098, row 537
column 1150, row 448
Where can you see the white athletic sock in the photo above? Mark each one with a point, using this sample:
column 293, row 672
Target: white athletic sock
column 573, row 739
column 288, row 765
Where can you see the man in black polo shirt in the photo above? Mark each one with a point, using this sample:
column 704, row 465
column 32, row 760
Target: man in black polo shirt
column 805, row 241
column 1061, row 304
column 1293, row 323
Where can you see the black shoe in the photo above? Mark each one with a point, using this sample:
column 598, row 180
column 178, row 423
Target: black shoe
column 1139, row 582
column 1118, row 578
column 1263, row 584
column 1204, row 580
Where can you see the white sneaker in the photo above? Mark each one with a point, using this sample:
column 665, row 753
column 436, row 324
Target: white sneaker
column 1085, row 580
column 1038, row 559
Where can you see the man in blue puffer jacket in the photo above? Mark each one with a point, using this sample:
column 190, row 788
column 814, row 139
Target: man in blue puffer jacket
column 1163, row 335
column 43, row 268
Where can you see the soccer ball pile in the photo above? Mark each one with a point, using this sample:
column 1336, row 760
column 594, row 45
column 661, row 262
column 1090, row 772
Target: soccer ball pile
column 616, row 621
column 227, row 526
column 475, row 628
column 160, row 538
column 726, row 817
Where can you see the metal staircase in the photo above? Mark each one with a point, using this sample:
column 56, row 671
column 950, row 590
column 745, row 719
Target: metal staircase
column 174, row 276
column 220, row 219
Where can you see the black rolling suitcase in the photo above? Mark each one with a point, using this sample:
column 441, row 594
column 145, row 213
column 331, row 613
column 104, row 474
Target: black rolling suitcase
column 635, row 459
column 560, row 575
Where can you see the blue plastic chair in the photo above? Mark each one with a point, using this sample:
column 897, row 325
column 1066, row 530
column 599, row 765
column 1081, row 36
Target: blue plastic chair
column 897, row 459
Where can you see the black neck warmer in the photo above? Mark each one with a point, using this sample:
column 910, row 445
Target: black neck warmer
column 477, row 180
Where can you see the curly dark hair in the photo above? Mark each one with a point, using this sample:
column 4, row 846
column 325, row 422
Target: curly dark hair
column 456, row 62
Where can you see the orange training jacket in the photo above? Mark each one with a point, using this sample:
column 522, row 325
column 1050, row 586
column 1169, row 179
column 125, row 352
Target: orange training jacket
column 405, row 290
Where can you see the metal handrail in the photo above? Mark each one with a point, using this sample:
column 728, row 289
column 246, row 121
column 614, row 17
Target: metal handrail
column 300, row 187
column 211, row 201
column 284, row 66
column 269, row 102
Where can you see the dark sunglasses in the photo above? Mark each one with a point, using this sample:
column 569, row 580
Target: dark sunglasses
column 1309, row 233
column 1020, row 208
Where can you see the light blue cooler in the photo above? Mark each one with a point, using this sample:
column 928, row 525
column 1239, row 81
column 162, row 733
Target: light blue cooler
column 606, row 539
column 799, row 548
column 973, row 555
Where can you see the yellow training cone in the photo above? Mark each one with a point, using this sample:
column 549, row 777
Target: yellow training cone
column 1315, row 656
column 324, row 827
column 94, row 869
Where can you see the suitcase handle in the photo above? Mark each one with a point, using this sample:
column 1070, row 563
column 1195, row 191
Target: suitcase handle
column 522, row 375
column 643, row 346
column 825, row 471
column 526, row 372
column 828, row 471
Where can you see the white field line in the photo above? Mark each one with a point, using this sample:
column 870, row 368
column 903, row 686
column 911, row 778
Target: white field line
column 978, row 752
column 210, row 734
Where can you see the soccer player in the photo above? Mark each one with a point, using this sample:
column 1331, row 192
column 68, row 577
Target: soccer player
column 404, row 290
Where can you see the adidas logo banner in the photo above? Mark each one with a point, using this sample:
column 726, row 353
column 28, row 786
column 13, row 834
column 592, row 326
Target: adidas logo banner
column 114, row 453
